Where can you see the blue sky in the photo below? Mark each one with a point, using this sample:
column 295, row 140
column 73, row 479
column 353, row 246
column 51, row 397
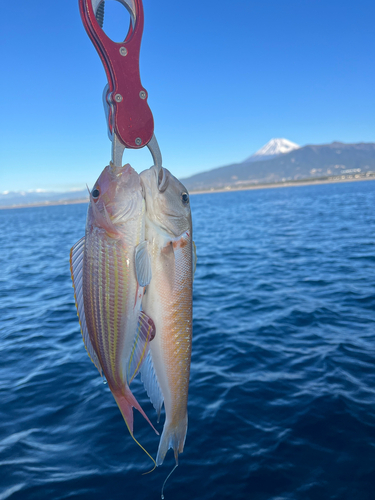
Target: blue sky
column 223, row 78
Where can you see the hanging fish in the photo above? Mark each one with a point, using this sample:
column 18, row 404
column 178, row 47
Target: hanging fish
column 109, row 270
column 168, row 301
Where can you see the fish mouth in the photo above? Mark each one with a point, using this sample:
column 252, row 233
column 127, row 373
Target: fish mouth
column 119, row 171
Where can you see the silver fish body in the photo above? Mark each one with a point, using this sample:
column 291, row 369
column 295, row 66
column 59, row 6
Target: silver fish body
column 168, row 301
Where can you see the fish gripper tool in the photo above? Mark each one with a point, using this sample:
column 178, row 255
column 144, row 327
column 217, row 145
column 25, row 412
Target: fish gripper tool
column 129, row 117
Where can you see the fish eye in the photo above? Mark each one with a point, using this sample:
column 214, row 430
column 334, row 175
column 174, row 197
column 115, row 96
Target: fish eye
column 95, row 194
column 185, row 198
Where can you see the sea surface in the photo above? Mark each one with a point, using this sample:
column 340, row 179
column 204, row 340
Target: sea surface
column 282, row 390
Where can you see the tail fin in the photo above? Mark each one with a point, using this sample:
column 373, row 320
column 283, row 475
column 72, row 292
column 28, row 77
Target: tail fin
column 126, row 402
column 172, row 437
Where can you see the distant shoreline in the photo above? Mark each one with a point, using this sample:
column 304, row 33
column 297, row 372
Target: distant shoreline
column 47, row 204
column 307, row 182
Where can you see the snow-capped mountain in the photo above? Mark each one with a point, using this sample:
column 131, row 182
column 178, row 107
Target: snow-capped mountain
column 298, row 163
column 273, row 148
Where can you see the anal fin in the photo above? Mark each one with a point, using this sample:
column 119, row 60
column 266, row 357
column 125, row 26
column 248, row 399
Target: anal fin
column 151, row 384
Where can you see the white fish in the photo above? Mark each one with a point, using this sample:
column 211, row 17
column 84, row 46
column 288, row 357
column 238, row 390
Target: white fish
column 168, row 301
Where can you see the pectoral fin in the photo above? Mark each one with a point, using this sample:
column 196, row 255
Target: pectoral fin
column 143, row 264
column 76, row 270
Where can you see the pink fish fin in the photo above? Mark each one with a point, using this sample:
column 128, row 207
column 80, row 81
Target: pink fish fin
column 173, row 436
column 151, row 384
column 76, row 270
column 144, row 334
column 126, row 401
column 103, row 221
column 126, row 408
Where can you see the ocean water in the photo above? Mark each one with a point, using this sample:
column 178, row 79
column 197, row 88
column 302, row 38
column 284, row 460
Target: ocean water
column 282, row 391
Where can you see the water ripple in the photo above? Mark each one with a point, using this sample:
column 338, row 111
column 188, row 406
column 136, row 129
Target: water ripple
column 282, row 397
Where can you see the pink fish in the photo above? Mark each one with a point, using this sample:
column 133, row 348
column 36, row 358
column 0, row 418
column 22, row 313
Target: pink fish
column 110, row 269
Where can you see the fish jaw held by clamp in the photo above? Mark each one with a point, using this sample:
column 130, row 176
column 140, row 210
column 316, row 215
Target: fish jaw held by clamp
column 129, row 117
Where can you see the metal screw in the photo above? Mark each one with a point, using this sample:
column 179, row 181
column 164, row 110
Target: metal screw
column 118, row 97
column 138, row 141
column 142, row 94
column 123, row 51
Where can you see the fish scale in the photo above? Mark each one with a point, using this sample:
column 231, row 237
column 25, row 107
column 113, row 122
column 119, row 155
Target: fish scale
column 111, row 298
column 176, row 340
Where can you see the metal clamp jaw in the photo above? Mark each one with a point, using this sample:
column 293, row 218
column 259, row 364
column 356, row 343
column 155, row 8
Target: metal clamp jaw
column 129, row 118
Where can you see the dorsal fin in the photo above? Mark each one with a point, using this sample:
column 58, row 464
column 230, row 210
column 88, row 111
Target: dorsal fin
column 76, row 270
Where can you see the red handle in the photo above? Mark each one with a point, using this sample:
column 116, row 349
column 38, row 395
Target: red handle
column 132, row 118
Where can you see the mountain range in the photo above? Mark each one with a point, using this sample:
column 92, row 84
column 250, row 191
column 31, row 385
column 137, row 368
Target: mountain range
column 281, row 160
column 277, row 161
